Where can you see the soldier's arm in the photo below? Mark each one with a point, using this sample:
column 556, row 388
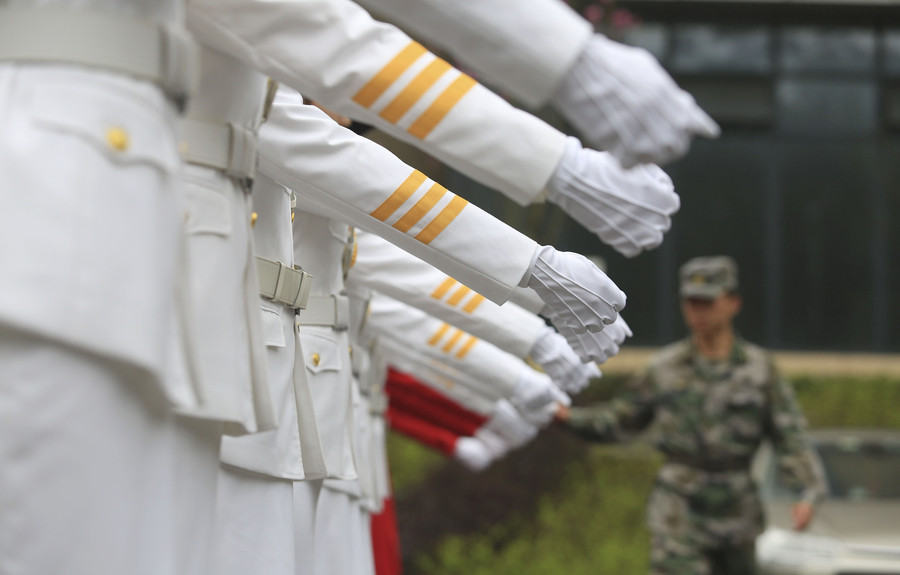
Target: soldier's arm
column 438, row 376
column 525, row 52
column 620, row 419
column 787, row 431
column 381, row 266
column 544, row 52
column 335, row 53
column 342, row 175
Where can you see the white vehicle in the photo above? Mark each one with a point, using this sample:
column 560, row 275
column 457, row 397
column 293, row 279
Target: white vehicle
column 856, row 529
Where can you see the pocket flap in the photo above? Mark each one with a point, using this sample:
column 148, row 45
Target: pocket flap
column 273, row 331
column 110, row 118
column 207, row 210
column 321, row 353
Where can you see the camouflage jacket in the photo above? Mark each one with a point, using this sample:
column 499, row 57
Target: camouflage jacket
column 708, row 420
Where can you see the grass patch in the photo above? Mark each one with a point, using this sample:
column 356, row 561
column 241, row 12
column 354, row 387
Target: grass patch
column 411, row 462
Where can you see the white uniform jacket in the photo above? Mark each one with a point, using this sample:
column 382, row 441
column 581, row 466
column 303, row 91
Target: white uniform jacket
column 527, row 299
column 493, row 372
column 292, row 450
column 372, row 466
column 341, row 174
column 89, row 207
column 335, row 53
column 385, row 268
column 319, row 245
column 524, row 49
column 221, row 275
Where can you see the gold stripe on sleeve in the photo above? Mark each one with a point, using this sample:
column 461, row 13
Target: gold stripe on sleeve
column 458, row 295
column 467, row 347
column 431, row 117
column 439, row 334
column 473, row 303
column 452, row 341
column 442, row 289
column 414, row 90
column 442, row 220
column 420, row 208
column 381, row 81
column 400, row 195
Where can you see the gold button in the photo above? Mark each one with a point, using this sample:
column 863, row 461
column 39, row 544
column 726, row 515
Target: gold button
column 253, row 217
column 316, row 359
column 117, row 138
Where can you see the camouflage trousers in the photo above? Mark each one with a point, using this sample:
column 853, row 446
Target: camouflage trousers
column 668, row 557
column 710, row 531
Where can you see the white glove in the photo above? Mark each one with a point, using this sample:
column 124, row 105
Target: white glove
column 628, row 209
column 578, row 296
column 606, row 343
column 473, row 453
column 495, row 444
column 622, row 101
column 536, row 397
column 558, row 360
column 506, row 422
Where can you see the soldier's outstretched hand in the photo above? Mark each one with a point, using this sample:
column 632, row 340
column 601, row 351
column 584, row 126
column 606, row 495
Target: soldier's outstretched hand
column 536, row 398
column 558, row 360
column 578, row 298
column 622, row 101
column 605, row 344
column 629, row 210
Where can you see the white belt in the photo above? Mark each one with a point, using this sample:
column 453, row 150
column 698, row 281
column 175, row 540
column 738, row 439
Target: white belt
column 282, row 283
column 143, row 49
column 224, row 146
column 326, row 311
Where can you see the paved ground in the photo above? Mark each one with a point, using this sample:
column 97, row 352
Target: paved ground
column 633, row 359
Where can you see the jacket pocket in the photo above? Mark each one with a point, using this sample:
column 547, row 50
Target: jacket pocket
column 321, row 351
column 272, row 328
column 207, row 209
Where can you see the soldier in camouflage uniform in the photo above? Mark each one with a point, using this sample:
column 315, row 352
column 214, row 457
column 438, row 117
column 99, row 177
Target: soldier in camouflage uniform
column 712, row 399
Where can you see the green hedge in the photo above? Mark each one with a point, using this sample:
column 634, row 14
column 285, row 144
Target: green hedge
column 592, row 521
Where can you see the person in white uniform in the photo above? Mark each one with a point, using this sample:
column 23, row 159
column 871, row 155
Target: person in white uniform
column 218, row 144
column 89, row 236
column 269, row 481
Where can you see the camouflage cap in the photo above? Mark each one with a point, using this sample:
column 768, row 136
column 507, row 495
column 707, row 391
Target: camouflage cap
column 708, row 277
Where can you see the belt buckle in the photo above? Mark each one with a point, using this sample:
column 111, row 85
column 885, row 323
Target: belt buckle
column 301, row 299
column 341, row 313
column 241, row 155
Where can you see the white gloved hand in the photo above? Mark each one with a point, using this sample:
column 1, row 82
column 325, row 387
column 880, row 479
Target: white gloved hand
column 628, row 209
column 579, row 297
column 605, row 343
column 506, row 422
column 536, row 397
column 495, row 444
column 473, row 453
column 558, row 360
column 622, row 101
